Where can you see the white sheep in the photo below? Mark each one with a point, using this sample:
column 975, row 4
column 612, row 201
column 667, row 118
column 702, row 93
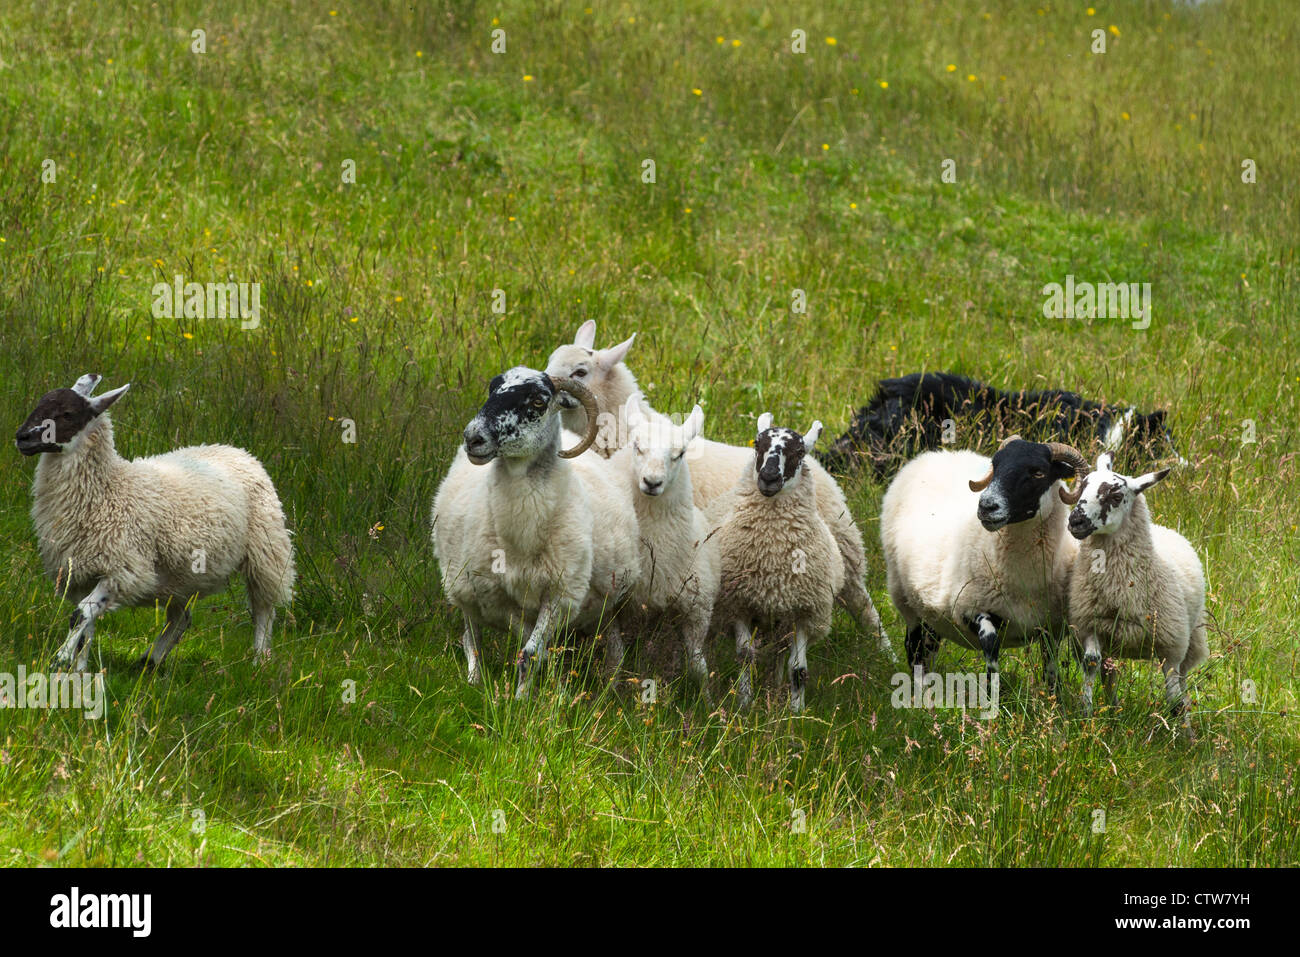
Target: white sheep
column 543, row 537
column 781, row 568
column 1137, row 589
column 169, row 528
column 984, row 570
column 679, row 560
column 608, row 378
column 714, row 465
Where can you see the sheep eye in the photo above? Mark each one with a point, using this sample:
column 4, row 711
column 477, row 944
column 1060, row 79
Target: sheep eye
column 539, row 403
column 579, row 373
column 1038, row 473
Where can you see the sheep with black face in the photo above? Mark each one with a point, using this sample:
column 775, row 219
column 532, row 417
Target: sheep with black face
column 168, row 529
column 714, row 464
column 781, row 568
column 1137, row 589
column 547, row 538
column 976, row 550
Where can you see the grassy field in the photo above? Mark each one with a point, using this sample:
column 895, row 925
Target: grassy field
column 522, row 171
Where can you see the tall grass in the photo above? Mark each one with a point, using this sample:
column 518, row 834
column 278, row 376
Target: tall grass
column 522, row 172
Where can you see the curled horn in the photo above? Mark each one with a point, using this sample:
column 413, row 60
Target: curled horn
column 1065, row 453
column 583, row 395
column 983, row 483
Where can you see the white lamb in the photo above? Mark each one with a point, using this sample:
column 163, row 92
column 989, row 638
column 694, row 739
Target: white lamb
column 714, row 465
column 679, row 560
column 542, row 537
column 169, row 528
column 976, row 550
column 1137, row 589
column 781, row 569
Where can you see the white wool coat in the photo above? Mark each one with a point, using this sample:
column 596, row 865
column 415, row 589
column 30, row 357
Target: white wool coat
column 943, row 567
column 779, row 562
column 1145, row 597
column 145, row 526
column 564, row 531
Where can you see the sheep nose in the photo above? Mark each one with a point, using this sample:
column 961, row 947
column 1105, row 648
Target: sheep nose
column 652, row 486
column 477, row 444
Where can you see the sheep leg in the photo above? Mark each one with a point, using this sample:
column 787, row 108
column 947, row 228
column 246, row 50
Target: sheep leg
column 83, row 658
column 614, row 650
column 469, row 641
column 798, row 668
column 745, row 654
column 1176, row 695
column 535, row 651
column 1091, row 663
column 263, row 618
column 1051, row 649
column 921, row 644
column 178, row 619
column 1185, row 703
column 82, row 626
column 985, row 628
column 858, row 601
column 1109, row 671
column 695, row 634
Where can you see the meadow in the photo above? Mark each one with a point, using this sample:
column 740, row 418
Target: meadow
column 129, row 158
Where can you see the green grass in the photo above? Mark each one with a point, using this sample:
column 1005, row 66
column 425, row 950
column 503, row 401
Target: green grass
column 785, row 171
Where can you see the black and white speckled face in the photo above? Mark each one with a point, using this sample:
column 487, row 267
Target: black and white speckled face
column 61, row 415
column 1023, row 477
column 515, row 421
column 1107, row 498
column 779, row 454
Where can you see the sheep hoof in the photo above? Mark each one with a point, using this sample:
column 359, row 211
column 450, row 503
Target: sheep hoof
column 147, row 665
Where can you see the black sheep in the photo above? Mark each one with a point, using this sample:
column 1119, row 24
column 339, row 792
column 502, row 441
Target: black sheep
column 907, row 416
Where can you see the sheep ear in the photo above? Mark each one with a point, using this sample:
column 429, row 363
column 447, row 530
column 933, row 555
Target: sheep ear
column 586, row 336
column 86, row 384
column 614, row 354
column 102, row 402
column 1105, row 461
column 1144, row 482
column 764, row 421
column 810, row 437
column 692, row 426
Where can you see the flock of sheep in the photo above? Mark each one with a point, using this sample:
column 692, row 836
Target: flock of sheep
column 572, row 506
